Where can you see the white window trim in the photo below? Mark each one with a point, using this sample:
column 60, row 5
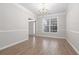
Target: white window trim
column 49, row 25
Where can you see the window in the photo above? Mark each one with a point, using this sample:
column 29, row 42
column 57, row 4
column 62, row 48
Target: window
column 50, row 25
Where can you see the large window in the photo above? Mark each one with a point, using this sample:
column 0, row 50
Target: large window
column 50, row 25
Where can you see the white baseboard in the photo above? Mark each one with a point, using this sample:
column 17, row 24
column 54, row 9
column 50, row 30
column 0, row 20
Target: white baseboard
column 7, row 46
column 76, row 50
column 50, row 36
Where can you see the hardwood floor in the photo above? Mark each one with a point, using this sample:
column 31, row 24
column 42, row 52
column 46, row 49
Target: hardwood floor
column 40, row 46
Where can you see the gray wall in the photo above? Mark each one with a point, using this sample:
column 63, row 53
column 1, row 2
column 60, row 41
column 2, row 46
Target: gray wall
column 13, row 24
column 73, row 25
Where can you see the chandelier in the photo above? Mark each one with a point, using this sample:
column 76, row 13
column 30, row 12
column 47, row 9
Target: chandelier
column 43, row 10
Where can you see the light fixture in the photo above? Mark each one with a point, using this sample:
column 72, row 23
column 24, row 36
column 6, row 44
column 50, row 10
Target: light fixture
column 43, row 10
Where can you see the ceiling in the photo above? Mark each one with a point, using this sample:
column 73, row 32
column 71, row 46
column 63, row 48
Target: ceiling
column 52, row 7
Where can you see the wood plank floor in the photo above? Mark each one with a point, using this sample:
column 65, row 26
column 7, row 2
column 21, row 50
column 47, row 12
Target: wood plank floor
column 40, row 46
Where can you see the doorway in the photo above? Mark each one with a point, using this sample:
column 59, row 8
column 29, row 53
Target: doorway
column 32, row 28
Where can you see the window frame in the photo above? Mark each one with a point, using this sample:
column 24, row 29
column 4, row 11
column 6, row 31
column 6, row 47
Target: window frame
column 49, row 24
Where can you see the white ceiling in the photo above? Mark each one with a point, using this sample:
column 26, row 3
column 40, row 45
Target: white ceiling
column 52, row 8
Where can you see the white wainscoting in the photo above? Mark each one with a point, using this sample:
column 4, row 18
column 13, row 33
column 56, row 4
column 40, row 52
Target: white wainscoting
column 73, row 40
column 9, row 38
